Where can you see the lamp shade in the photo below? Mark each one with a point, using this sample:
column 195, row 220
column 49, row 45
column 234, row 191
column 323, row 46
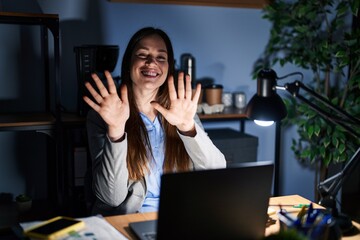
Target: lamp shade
column 266, row 104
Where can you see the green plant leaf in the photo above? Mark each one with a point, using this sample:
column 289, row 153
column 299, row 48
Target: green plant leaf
column 349, row 43
column 355, row 5
column 342, row 9
column 302, row 28
column 341, row 54
column 326, row 141
column 317, row 130
column 341, row 148
column 310, row 131
column 328, row 159
column 323, row 151
column 305, row 153
column 335, row 141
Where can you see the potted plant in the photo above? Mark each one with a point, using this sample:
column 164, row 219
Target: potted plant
column 323, row 38
column 23, row 202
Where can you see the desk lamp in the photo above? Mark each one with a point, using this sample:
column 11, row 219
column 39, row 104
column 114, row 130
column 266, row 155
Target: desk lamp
column 266, row 106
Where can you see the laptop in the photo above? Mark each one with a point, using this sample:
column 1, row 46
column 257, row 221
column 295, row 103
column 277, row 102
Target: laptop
column 228, row 203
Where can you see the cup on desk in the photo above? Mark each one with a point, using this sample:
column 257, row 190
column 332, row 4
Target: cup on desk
column 227, row 99
column 213, row 94
column 240, row 100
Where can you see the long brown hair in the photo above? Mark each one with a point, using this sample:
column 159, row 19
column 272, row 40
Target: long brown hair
column 176, row 157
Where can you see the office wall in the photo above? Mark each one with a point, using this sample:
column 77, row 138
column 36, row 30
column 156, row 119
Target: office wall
column 225, row 42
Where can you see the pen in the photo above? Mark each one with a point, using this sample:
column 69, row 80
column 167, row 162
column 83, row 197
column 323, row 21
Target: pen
column 291, row 205
column 286, row 218
column 302, row 213
column 301, row 205
column 311, row 216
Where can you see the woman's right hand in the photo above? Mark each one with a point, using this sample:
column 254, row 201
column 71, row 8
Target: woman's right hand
column 113, row 110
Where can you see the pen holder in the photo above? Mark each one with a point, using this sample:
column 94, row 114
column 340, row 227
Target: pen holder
column 314, row 231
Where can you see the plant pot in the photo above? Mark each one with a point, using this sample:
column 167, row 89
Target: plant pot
column 24, row 206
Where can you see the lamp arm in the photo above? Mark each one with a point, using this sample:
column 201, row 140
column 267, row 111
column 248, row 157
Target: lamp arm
column 331, row 185
column 293, row 89
column 353, row 119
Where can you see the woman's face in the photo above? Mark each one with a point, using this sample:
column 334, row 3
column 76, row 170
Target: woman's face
column 149, row 63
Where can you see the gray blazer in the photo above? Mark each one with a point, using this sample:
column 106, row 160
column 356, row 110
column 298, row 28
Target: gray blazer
column 114, row 192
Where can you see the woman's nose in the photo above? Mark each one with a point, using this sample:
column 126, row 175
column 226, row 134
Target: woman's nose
column 150, row 59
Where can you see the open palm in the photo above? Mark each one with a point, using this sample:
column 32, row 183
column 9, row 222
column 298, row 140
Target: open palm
column 183, row 105
column 113, row 110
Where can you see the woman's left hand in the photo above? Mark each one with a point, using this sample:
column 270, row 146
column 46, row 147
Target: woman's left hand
column 183, row 104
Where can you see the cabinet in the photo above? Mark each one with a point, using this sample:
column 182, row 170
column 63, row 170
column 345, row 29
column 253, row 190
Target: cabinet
column 217, row 3
column 236, row 146
column 48, row 120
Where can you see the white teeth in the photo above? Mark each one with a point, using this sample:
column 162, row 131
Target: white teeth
column 152, row 74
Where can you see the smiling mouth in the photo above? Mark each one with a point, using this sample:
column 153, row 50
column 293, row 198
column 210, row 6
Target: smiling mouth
column 149, row 73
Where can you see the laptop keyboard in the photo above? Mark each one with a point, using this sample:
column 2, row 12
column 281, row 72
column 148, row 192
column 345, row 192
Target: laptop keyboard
column 150, row 236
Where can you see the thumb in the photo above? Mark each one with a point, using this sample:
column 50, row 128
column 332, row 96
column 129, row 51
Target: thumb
column 159, row 108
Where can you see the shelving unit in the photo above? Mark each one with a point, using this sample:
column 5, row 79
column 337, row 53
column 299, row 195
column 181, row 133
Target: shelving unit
column 45, row 22
column 47, row 121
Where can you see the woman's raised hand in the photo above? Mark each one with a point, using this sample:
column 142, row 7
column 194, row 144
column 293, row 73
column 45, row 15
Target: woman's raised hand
column 183, row 104
column 113, row 109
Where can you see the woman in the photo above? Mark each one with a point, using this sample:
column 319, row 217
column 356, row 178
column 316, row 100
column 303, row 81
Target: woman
column 147, row 129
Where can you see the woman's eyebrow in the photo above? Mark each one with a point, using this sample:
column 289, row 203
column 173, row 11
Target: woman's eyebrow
column 163, row 50
column 146, row 48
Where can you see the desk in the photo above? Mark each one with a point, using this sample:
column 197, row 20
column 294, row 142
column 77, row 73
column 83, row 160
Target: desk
column 121, row 222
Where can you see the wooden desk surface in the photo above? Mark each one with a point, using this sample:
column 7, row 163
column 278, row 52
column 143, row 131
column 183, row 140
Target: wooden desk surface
column 121, row 222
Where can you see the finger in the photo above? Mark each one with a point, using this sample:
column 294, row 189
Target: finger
column 163, row 111
column 91, row 103
column 102, row 89
column 111, row 83
column 181, row 90
column 93, row 92
column 197, row 93
column 172, row 90
column 188, row 88
column 124, row 94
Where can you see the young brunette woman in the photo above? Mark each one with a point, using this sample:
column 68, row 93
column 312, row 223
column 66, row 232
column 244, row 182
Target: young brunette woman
column 145, row 128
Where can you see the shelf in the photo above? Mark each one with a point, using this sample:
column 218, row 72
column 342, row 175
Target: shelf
column 229, row 113
column 27, row 18
column 27, row 121
column 216, row 3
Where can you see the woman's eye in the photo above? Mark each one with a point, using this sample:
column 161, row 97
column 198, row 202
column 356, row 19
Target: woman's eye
column 142, row 56
column 161, row 59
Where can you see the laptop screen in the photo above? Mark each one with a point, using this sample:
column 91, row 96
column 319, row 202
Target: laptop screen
column 226, row 203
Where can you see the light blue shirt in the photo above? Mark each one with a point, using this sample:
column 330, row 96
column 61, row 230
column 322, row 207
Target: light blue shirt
column 156, row 137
